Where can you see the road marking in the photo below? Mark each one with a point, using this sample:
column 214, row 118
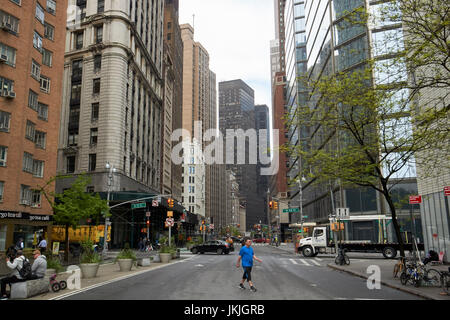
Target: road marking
column 82, row 290
column 293, row 261
column 199, row 265
column 313, row 285
column 304, row 262
column 315, row 262
column 318, row 259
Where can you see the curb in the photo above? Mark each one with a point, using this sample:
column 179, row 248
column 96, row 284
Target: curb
column 422, row 295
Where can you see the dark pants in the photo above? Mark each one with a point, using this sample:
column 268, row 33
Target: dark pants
column 9, row 280
column 42, row 250
column 247, row 273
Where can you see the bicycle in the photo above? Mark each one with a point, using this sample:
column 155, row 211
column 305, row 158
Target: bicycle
column 445, row 281
column 342, row 258
column 418, row 275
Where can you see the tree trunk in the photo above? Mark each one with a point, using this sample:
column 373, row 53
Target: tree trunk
column 66, row 252
column 388, row 198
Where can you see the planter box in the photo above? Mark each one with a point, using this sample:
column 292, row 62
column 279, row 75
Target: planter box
column 165, row 257
column 50, row 272
column 89, row 270
column 125, row 264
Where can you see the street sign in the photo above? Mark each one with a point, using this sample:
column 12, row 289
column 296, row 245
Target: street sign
column 170, row 222
column 415, row 199
column 291, row 210
column 155, row 203
column 147, row 214
column 447, row 191
column 211, row 226
column 342, row 212
column 138, row 205
column 170, row 213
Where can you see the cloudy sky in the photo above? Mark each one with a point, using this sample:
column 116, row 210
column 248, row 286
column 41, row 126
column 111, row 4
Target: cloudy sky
column 237, row 35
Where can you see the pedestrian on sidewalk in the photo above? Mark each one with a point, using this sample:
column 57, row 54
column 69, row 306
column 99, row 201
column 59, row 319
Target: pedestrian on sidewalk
column 247, row 255
column 14, row 276
column 42, row 246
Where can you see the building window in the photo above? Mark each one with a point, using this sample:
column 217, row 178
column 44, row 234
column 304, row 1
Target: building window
column 40, row 139
column 42, row 111
column 92, row 161
column 27, row 164
column 45, row 84
column 38, row 168
column 25, row 195
column 2, row 186
column 73, row 139
column 71, row 164
column 5, row 118
column 169, row 25
column 16, row 2
column 169, row 36
column 100, row 6
column 94, row 136
column 47, row 57
column 30, row 131
column 99, row 34
column 51, row 6
column 97, row 62
column 36, row 199
column 75, row 95
column 10, row 22
column 8, row 54
column 3, row 155
column 94, row 112
column 78, row 40
column 33, row 100
column 35, row 70
column 49, row 31
column 90, row 189
column 37, row 41
column 40, row 13
column 96, row 86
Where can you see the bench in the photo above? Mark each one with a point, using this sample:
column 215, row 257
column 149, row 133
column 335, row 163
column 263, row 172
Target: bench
column 29, row 288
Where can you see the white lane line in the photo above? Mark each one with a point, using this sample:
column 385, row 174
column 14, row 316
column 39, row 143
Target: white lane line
column 315, row 262
column 293, row 261
column 318, row 259
column 304, row 262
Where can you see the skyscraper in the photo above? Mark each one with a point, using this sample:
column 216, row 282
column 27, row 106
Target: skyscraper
column 237, row 111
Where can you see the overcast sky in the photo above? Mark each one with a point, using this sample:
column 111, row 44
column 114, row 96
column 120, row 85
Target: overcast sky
column 236, row 34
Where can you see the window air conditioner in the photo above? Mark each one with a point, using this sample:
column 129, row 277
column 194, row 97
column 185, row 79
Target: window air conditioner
column 3, row 58
column 10, row 94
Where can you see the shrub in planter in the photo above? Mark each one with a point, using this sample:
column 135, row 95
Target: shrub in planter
column 53, row 263
column 90, row 260
column 165, row 254
column 126, row 259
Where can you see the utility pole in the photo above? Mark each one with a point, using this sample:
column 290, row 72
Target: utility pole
column 335, row 213
column 268, row 213
column 105, row 236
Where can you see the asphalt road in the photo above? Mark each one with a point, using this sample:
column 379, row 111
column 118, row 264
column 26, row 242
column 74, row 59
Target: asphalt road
column 281, row 276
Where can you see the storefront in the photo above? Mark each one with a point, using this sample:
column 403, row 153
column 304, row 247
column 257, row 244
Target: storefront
column 15, row 225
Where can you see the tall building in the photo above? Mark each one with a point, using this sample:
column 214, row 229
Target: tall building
column 172, row 36
column 262, row 122
column 112, row 104
column 200, row 115
column 320, row 41
column 32, row 35
column 237, row 111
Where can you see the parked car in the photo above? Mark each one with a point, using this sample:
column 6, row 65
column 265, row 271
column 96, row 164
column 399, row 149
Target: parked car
column 259, row 240
column 230, row 245
column 217, row 246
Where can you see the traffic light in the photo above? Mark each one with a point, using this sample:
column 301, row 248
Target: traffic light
column 275, row 205
column 271, row 204
column 203, row 221
column 170, row 202
column 148, row 223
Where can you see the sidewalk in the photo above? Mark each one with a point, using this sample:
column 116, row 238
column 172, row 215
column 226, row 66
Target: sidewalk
column 359, row 268
column 107, row 273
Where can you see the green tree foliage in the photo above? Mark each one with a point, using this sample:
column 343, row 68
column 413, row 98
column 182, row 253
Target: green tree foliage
column 74, row 205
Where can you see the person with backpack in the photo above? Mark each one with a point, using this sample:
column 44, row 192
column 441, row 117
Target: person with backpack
column 21, row 272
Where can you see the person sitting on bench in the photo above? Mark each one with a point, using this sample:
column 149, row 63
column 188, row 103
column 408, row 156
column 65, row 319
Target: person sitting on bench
column 14, row 277
column 39, row 267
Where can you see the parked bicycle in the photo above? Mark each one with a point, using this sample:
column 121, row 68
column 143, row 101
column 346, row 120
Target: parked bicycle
column 445, row 281
column 417, row 274
column 342, row 258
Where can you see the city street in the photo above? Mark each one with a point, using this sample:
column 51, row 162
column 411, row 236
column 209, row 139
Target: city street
column 281, row 276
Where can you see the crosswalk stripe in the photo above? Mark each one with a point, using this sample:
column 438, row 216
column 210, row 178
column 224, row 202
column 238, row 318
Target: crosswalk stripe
column 293, row 261
column 315, row 262
column 304, row 262
column 318, row 259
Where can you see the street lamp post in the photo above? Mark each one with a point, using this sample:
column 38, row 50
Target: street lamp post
column 300, row 194
column 110, row 177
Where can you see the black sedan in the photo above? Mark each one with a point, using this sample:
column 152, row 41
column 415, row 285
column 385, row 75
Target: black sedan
column 216, row 246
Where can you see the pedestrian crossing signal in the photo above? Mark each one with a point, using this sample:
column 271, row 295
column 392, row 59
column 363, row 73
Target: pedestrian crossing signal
column 271, row 204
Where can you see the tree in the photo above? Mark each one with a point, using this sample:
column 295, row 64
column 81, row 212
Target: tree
column 74, row 205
